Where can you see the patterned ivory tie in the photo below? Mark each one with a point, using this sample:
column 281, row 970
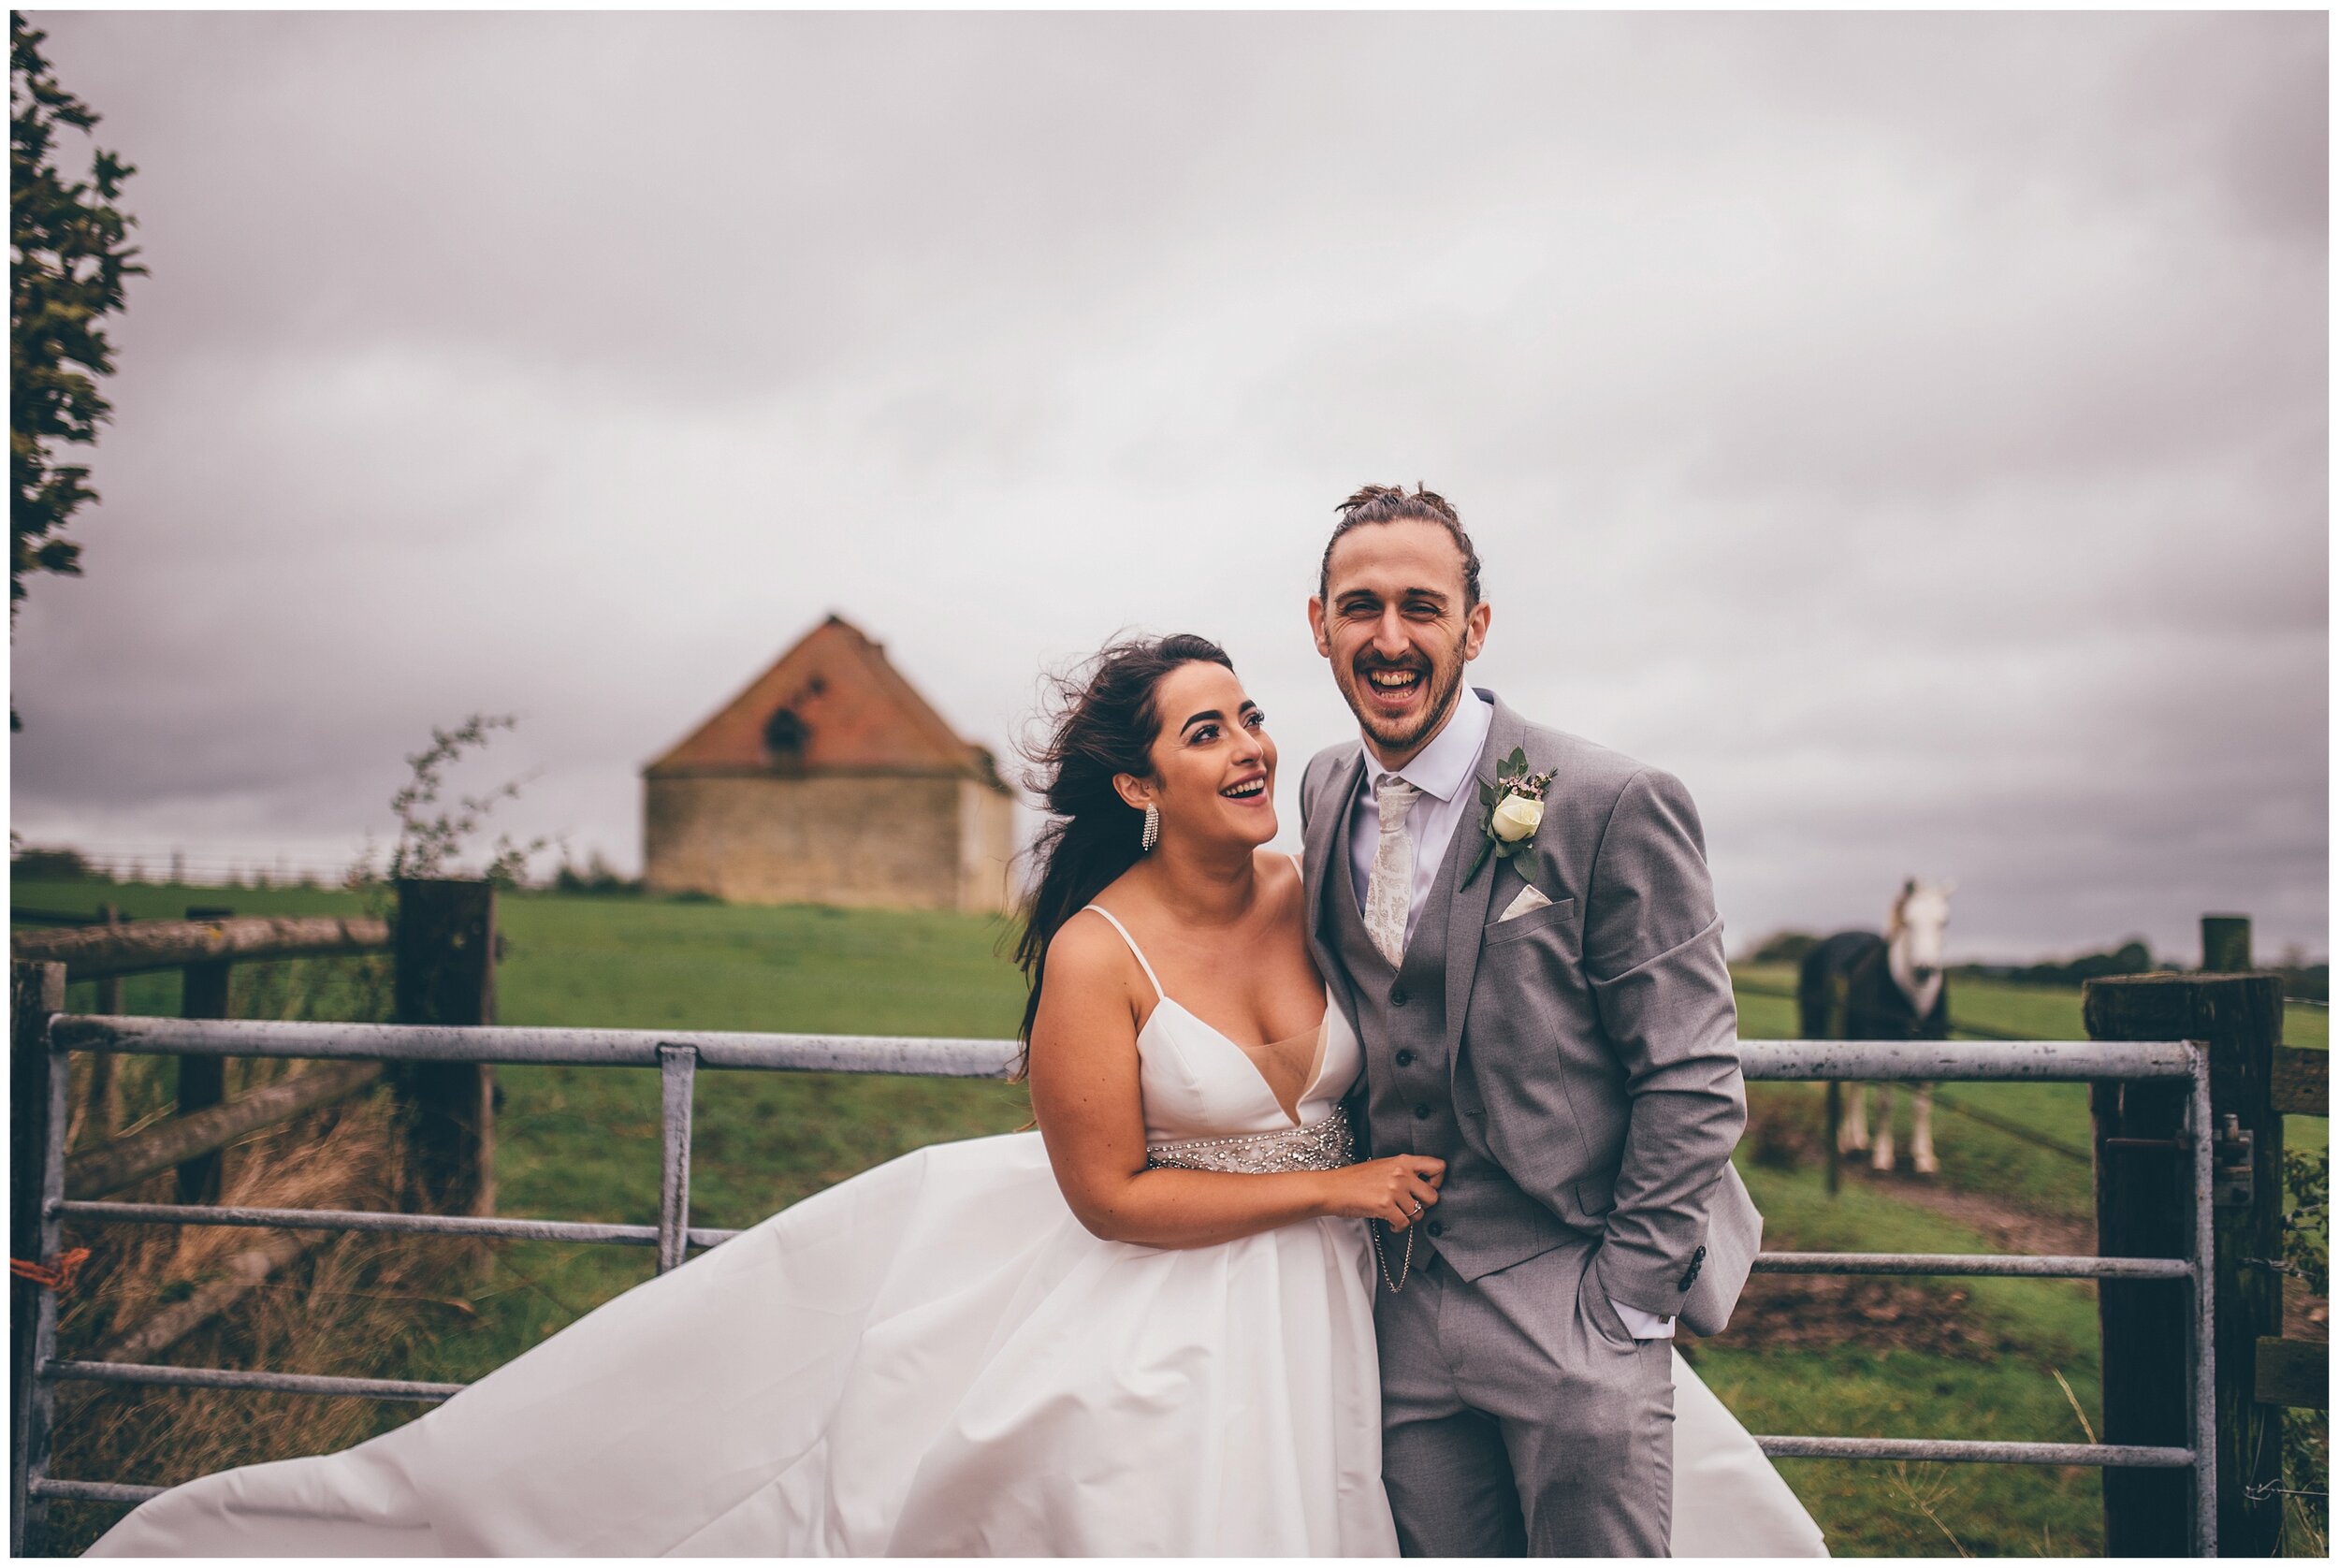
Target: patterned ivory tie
column 1389, row 892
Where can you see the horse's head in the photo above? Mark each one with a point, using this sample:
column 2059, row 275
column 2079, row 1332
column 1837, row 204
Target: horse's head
column 1919, row 921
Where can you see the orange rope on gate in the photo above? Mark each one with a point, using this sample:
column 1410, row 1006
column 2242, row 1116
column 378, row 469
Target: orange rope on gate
column 58, row 1277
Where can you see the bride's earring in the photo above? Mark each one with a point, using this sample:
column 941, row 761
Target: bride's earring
column 1152, row 834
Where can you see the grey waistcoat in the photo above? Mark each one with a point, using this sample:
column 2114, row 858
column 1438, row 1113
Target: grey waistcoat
column 1483, row 1221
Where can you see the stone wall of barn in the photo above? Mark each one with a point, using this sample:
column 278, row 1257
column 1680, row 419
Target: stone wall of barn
column 901, row 842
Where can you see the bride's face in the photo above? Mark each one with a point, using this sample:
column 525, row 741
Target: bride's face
column 1213, row 764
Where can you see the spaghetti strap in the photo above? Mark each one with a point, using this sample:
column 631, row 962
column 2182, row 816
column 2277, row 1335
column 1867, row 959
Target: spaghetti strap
column 1135, row 951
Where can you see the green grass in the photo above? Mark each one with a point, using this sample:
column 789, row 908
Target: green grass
column 582, row 1143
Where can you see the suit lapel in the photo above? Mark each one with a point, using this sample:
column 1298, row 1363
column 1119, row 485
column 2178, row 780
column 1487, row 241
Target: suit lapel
column 1466, row 917
column 1322, row 858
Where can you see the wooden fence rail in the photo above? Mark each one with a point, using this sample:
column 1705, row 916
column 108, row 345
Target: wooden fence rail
column 126, row 1161
column 97, row 952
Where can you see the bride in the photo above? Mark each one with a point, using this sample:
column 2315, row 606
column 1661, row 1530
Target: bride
column 1145, row 1330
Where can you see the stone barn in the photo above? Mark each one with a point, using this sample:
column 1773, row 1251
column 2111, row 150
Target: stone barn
column 829, row 780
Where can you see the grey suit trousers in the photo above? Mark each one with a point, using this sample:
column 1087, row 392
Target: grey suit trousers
column 1520, row 1418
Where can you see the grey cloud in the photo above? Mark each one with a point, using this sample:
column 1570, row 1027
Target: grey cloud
column 1912, row 429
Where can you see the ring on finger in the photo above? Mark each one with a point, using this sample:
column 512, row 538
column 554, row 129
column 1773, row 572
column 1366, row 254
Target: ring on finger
column 1417, row 1209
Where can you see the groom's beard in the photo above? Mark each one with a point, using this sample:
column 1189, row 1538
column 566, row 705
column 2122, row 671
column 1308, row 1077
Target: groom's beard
column 1445, row 686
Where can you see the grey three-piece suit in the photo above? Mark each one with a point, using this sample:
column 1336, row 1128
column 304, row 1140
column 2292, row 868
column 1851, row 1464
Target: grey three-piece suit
column 1576, row 1068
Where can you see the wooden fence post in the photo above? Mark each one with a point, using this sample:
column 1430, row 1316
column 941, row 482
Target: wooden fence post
column 202, row 1079
column 35, row 992
column 2224, row 944
column 2144, row 1204
column 104, row 1079
column 444, row 942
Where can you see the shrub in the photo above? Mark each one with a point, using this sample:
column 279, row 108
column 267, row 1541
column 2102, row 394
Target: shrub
column 1787, row 947
column 52, row 865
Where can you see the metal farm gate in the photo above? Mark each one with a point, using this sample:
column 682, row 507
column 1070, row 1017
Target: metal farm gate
column 2183, row 1067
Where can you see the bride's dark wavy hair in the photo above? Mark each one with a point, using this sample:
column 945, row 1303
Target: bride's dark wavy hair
column 1105, row 720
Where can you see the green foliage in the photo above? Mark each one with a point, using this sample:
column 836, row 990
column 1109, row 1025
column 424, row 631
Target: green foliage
column 2306, row 1484
column 2305, row 1228
column 431, row 842
column 597, row 878
column 69, row 263
column 2131, row 957
column 1787, row 947
column 29, row 862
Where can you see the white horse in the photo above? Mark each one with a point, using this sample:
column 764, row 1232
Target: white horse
column 1857, row 985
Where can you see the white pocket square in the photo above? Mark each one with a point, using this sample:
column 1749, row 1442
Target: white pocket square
column 1530, row 899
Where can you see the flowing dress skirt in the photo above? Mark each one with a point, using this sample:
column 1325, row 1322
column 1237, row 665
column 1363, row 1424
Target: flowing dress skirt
column 933, row 1358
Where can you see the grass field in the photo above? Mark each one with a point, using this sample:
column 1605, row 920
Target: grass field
column 582, row 1143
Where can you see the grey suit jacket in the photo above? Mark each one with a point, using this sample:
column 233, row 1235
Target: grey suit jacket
column 1593, row 1043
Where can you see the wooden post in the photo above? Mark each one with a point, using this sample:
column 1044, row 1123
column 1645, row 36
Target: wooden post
column 2224, row 944
column 2144, row 1204
column 35, row 992
column 202, row 1079
column 105, row 1077
column 444, row 942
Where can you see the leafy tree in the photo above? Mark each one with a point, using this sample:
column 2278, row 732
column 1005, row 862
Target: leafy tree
column 69, row 261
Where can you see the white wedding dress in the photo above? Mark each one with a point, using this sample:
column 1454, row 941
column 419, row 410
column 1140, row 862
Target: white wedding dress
column 935, row 1359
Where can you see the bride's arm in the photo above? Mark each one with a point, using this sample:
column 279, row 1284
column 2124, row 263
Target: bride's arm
column 1083, row 1076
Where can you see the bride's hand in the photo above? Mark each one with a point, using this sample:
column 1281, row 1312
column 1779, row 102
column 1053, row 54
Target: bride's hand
column 1397, row 1189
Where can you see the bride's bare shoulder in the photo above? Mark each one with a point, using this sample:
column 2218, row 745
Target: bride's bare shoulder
column 1085, row 948
column 1090, row 990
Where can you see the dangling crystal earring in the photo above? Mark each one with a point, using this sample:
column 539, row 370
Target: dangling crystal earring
column 1152, row 834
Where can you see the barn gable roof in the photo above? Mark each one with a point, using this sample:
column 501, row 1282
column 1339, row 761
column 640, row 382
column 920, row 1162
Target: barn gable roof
column 831, row 705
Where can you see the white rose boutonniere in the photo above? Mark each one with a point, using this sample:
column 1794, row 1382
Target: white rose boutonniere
column 1516, row 817
column 1513, row 809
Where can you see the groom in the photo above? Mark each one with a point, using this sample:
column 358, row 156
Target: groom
column 1555, row 1022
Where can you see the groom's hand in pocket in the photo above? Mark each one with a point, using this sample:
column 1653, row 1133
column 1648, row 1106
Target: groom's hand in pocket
column 1398, row 1189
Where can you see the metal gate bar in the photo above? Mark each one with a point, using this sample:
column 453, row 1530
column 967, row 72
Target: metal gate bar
column 909, row 1055
column 95, row 1491
column 2112, row 1456
column 2018, row 1263
column 265, row 1383
column 677, row 1055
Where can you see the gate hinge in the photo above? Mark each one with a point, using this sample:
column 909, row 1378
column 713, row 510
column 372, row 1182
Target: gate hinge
column 2233, row 1165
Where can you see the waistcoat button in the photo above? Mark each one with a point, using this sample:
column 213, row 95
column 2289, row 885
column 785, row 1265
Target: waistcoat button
column 1435, row 1228
column 1399, row 996
column 1420, row 1113
column 1405, row 1059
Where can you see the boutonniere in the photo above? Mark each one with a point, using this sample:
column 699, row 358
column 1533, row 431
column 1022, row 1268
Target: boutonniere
column 1513, row 809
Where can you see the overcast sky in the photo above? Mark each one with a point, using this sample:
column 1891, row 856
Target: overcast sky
column 1911, row 430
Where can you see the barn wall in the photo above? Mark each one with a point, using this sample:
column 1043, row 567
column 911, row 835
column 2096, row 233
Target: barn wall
column 865, row 842
column 987, row 840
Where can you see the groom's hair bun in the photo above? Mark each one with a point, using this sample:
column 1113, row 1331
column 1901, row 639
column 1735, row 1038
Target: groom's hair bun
column 1389, row 503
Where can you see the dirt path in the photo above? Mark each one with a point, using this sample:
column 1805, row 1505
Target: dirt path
column 2008, row 1229
column 2304, row 1313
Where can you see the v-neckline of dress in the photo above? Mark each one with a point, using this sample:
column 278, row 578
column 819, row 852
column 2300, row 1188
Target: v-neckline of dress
column 1162, row 998
column 1251, row 1057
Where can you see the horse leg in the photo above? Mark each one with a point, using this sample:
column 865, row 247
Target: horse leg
column 1881, row 1149
column 1921, row 1133
column 1853, row 1135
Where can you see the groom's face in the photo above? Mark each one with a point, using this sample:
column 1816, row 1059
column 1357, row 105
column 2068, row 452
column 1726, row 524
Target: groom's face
column 1396, row 627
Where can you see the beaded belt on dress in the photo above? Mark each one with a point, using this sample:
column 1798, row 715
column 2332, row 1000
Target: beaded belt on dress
column 1325, row 1145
